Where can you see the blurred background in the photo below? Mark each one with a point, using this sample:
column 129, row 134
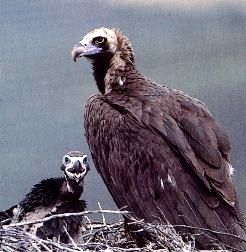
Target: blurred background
column 197, row 46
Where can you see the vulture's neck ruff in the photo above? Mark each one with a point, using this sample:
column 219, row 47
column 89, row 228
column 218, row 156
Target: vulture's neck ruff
column 111, row 56
column 109, row 68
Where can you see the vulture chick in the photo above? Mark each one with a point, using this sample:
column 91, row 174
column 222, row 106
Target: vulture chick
column 54, row 196
column 159, row 151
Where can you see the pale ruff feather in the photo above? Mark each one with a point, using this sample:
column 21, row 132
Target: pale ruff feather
column 232, row 169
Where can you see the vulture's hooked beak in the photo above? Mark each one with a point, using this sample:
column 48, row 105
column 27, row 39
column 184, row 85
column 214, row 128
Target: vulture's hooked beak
column 81, row 50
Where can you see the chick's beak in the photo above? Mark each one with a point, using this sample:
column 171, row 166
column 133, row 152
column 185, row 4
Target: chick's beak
column 77, row 168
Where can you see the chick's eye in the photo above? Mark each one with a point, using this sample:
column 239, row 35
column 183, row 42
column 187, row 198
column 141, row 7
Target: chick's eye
column 67, row 160
column 99, row 40
column 85, row 160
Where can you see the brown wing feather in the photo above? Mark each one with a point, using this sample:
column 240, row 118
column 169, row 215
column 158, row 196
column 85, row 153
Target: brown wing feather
column 199, row 140
column 147, row 160
column 188, row 127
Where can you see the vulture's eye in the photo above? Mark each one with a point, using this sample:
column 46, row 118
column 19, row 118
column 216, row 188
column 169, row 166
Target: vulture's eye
column 67, row 160
column 99, row 40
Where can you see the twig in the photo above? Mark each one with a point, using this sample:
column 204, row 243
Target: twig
column 71, row 239
column 61, row 216
column 210, row 230
column 103, row 217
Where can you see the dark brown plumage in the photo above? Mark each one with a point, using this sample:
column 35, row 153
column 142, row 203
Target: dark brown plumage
column 159, row 151
column 54, row 196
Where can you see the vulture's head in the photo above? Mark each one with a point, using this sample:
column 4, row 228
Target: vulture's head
column 75, row 165
column 102, row 42
column 110, row 53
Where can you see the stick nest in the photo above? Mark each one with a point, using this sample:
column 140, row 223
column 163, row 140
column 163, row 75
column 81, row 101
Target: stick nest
column 97, row 234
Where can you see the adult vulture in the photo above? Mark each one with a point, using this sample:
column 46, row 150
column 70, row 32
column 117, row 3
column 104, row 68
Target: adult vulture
column 159, row 151
column 54, row 196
